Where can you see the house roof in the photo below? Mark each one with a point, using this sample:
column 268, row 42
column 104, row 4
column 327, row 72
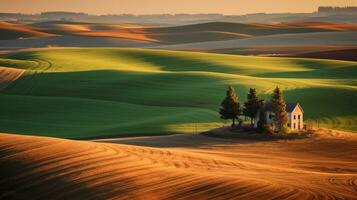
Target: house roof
column 268, row 106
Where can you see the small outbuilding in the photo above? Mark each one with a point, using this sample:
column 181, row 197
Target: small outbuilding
column 295, row 115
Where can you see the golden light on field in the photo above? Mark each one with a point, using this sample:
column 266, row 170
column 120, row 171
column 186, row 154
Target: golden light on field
column 186, row 166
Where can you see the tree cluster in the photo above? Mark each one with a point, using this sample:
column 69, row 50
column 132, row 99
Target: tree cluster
column 232, row 109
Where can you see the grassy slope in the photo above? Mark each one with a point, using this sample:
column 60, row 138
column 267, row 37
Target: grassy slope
column 99, row 92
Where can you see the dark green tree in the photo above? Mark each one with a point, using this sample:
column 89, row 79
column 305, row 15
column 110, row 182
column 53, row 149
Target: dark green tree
column 231, row 107
column 279, row 108
column 262, row 121
column 252, row 105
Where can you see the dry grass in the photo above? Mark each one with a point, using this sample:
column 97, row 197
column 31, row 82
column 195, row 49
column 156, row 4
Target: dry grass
column 179, row 167
column 8, row 75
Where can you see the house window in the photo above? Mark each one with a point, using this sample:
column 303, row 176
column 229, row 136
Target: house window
column 270, row 116
column 299, row 117
column 289, row 125
column 294, row 116
column 294, row 126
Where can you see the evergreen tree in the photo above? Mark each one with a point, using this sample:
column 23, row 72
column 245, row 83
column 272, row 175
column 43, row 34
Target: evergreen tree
column 252, row 105
column 262, row 121
column 279, row 108
column 231, row 107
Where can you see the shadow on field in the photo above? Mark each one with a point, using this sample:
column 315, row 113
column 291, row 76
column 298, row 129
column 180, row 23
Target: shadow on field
column 20, row 180
column 33, row 169
column 217, row 137
column 177, row 140
column 315, row 69
column 172, row 61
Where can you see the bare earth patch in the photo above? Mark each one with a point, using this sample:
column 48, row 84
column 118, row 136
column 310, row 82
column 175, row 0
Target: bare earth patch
column 179, row 167
column 8, row 75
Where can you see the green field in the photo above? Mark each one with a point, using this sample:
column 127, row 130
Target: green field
column 99, row 92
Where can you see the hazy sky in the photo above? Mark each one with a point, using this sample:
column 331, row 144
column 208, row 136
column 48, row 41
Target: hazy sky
column 169, row 6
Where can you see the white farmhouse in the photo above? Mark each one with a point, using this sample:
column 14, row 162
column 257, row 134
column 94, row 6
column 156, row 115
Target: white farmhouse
column 295, row 115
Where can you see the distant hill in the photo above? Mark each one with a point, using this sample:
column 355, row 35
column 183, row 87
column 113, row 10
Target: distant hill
column 344, row 54
column 62, row 15
column 251, row 29
column 202, row 32
column 17, row 31
column 225, row 37
column 330, row 9
column 301, row 39
column 329, row 14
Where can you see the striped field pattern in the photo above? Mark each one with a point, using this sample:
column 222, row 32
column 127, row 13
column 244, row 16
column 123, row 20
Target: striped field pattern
column 194, row 167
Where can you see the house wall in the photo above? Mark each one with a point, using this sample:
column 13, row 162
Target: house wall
column 296, row 119
column 268, row 116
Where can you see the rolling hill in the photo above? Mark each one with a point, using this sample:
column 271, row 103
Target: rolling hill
column 178, row 167
column 99, row 92
column 257, row 29
column 10, row 31
column 212, row 31
column 193, row 33
column 294, row 39
column 342, row 38
column 339, row 54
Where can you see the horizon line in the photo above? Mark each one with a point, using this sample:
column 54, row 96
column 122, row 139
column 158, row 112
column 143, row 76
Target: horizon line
column 209, row 13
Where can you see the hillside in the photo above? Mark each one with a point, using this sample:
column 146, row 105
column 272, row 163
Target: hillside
column 257, row 29
column 145, row 92
column 344, row 54
column 18, row 31
column 189, row 167
column 294, row 39
column 343, row 38
column 192, row 33
column 212, row 31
